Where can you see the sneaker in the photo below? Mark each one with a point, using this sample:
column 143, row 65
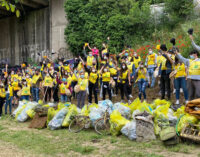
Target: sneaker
column 129, row 102
column 145, row 100
column 130, row 96
column 186, row 102
column 177, row 102
column 174, row 91
column 181, row 90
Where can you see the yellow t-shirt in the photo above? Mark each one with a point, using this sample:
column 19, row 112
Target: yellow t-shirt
column 136, row 61
column 106, row 77
column 10, row 88
column 63, row 88
column 48, row 81
column 90, row 60
column 83, row 83
column 26, row 90
column 180, row 70
column 93, row 77
column 2, row 93
column 142, row 74
column 194, row 68
column 15, row 86
column 151, row 59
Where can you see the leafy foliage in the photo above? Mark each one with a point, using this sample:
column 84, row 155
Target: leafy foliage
column 93, row 21
column 10, row 7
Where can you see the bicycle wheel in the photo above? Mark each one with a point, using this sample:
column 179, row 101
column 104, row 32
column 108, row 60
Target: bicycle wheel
column 76, row 125
column 102, row 126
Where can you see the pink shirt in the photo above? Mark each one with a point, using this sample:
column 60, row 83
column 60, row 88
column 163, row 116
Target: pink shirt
column 95, row 52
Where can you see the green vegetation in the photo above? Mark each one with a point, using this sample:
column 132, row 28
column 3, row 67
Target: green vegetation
column 126, row 22
column 10, row 6
column 61, row 142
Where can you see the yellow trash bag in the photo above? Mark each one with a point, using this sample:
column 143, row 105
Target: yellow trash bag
column 186, row 119
column 70, row 115
column 30, row 113
column 163, row 109
column 40, row 102
column 159, row 102
column 60, row 106
column 145, row 107
column 180, row 111
column 134, row 105
column 47, row 105
column 86, row 109
column 117, row 122
column 19, row 112
column 51, row 113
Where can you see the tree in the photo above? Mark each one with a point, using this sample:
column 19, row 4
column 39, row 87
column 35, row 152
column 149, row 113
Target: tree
column 94, row 20
column 10, row 7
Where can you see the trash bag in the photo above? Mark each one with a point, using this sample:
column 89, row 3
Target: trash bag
column 135, row 113
column 163, row 109
column 160, row 120
column 22, row 117
column 70, row 115
column 117, row 122
column 60, row 105
column 57, row 120
column 159, row 102
column 30, row 113
column 107, row 104
column 125, row 111
column 96, row 113
column 129, row 130
column 186, row 119
column 180, row 111
column 51, row 113
column 85, row 111
column 18, row 110
column 134, row 105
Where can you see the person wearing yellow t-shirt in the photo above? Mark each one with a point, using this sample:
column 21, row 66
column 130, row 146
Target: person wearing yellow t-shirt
column 83, row 84
column 125, row 82
column 142, row 80
column 193, row 77
column 48, row 84
column 93, row 84
column 25, row 91
column 62, row 87
column 106, row 78
column 114, row 74
column 136, row 59
column 151, row 64
column 36, row 84
column 2, row 97
column 9, row 97
column 180, row 80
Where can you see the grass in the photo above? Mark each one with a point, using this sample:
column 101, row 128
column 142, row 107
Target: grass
column 62, row 142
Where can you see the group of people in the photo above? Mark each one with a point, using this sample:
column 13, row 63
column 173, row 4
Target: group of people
column 99, row 72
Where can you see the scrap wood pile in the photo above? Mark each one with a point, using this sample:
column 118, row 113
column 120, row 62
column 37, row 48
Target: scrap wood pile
column 138, row 121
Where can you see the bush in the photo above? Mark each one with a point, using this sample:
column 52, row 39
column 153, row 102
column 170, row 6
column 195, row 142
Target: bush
column 93, row 21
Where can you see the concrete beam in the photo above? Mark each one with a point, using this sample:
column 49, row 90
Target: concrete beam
column 42, row 2
column 30, row 3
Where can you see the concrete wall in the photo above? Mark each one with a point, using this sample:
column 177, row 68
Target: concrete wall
column 21, row 39
column 58, row 25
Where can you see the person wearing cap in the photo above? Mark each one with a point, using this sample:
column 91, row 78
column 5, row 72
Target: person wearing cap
column 164, row 71
column 151, row 64
column 193, row 78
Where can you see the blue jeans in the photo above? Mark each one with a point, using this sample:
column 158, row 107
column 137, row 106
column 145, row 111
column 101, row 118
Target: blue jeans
column 63, row 98
column 142, row 88
column 35, row 92
column 25, row 97
column 8, row 103
column 181, row 83
column 151, row 71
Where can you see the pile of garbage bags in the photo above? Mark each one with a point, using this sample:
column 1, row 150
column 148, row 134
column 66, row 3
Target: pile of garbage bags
column 125, row 119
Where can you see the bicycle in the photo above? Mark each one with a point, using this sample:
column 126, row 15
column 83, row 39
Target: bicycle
column 102, row 125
